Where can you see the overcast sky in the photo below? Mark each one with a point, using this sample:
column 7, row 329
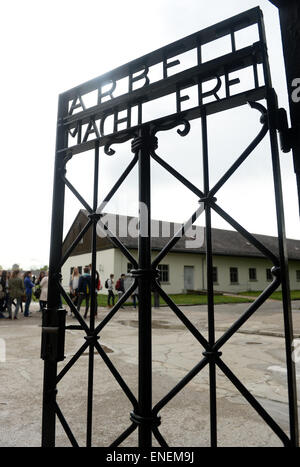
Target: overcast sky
column 49, row 47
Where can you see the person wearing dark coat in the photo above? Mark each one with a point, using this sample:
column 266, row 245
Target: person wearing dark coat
column 84, row 290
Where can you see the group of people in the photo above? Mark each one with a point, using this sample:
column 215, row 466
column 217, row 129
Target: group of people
column 80, row 289
column 81, row 285
column 17, row 288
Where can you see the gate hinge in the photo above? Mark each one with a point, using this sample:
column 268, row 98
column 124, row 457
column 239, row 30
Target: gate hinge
column 289, row 137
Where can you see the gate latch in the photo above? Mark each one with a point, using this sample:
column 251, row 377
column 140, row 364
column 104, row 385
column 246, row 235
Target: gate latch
column 53, row 335
column 289, row 137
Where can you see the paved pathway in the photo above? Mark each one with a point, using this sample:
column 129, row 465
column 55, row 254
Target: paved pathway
column 257, row 359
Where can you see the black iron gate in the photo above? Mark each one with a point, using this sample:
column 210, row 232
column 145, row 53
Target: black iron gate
column 86, row 129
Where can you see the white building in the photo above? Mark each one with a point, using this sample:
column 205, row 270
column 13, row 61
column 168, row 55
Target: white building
column 238, row 265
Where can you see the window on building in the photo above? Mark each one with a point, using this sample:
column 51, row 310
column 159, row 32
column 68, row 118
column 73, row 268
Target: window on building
column 252, row 274
column 164, row 272
column 79, row 269
column 269, row 275
column 71, row 271
column 298, row 276
column 129, row 267
column 215, row 275
column 234, row 277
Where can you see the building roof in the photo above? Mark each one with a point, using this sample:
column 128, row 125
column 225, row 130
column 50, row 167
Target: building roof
column 224, row 242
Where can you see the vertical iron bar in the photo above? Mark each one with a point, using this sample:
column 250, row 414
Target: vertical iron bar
column 210, row 286
column 284, row 272
column 144, row 257
column 50, row 314
column 93, row 302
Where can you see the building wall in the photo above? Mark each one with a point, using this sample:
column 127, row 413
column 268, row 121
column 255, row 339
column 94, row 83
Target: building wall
column 105, row 265
column 113, row 261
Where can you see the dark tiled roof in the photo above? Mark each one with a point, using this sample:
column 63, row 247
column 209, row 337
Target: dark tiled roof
column 225, row 242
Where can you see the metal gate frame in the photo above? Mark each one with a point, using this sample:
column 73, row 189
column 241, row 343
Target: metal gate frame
column 144, row 144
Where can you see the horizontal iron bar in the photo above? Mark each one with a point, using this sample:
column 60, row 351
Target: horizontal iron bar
column 254, row 403
column 209, row 34
column 189, row 114
column 205, row 72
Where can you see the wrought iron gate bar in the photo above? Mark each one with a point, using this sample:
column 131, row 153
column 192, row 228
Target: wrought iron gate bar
column 73, row 308
column 241, row 159
column 179, row 386
column 251, row 239
column 221, row 29
column 254, row 402
column 162, row 442
column 177, row 175
column 66, row 426
column 117, row 185
column 115, row 240
column 92, row 339
column 116, row 307
column 175, row 239
column 124, row 436
column 72, row 361
column 75, row 193
column 75, row 243
column 286, row 301
column 230, row 62
column 117, row 376
column 144, row 272
column 210, row 286
column 197, row 334
column 221, row 105
column 247, row 314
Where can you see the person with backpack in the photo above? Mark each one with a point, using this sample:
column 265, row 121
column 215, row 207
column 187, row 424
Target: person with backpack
column 109, row 285
column 28, row 284
column 84, row 290
column 16, row 291
column 120, row 287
